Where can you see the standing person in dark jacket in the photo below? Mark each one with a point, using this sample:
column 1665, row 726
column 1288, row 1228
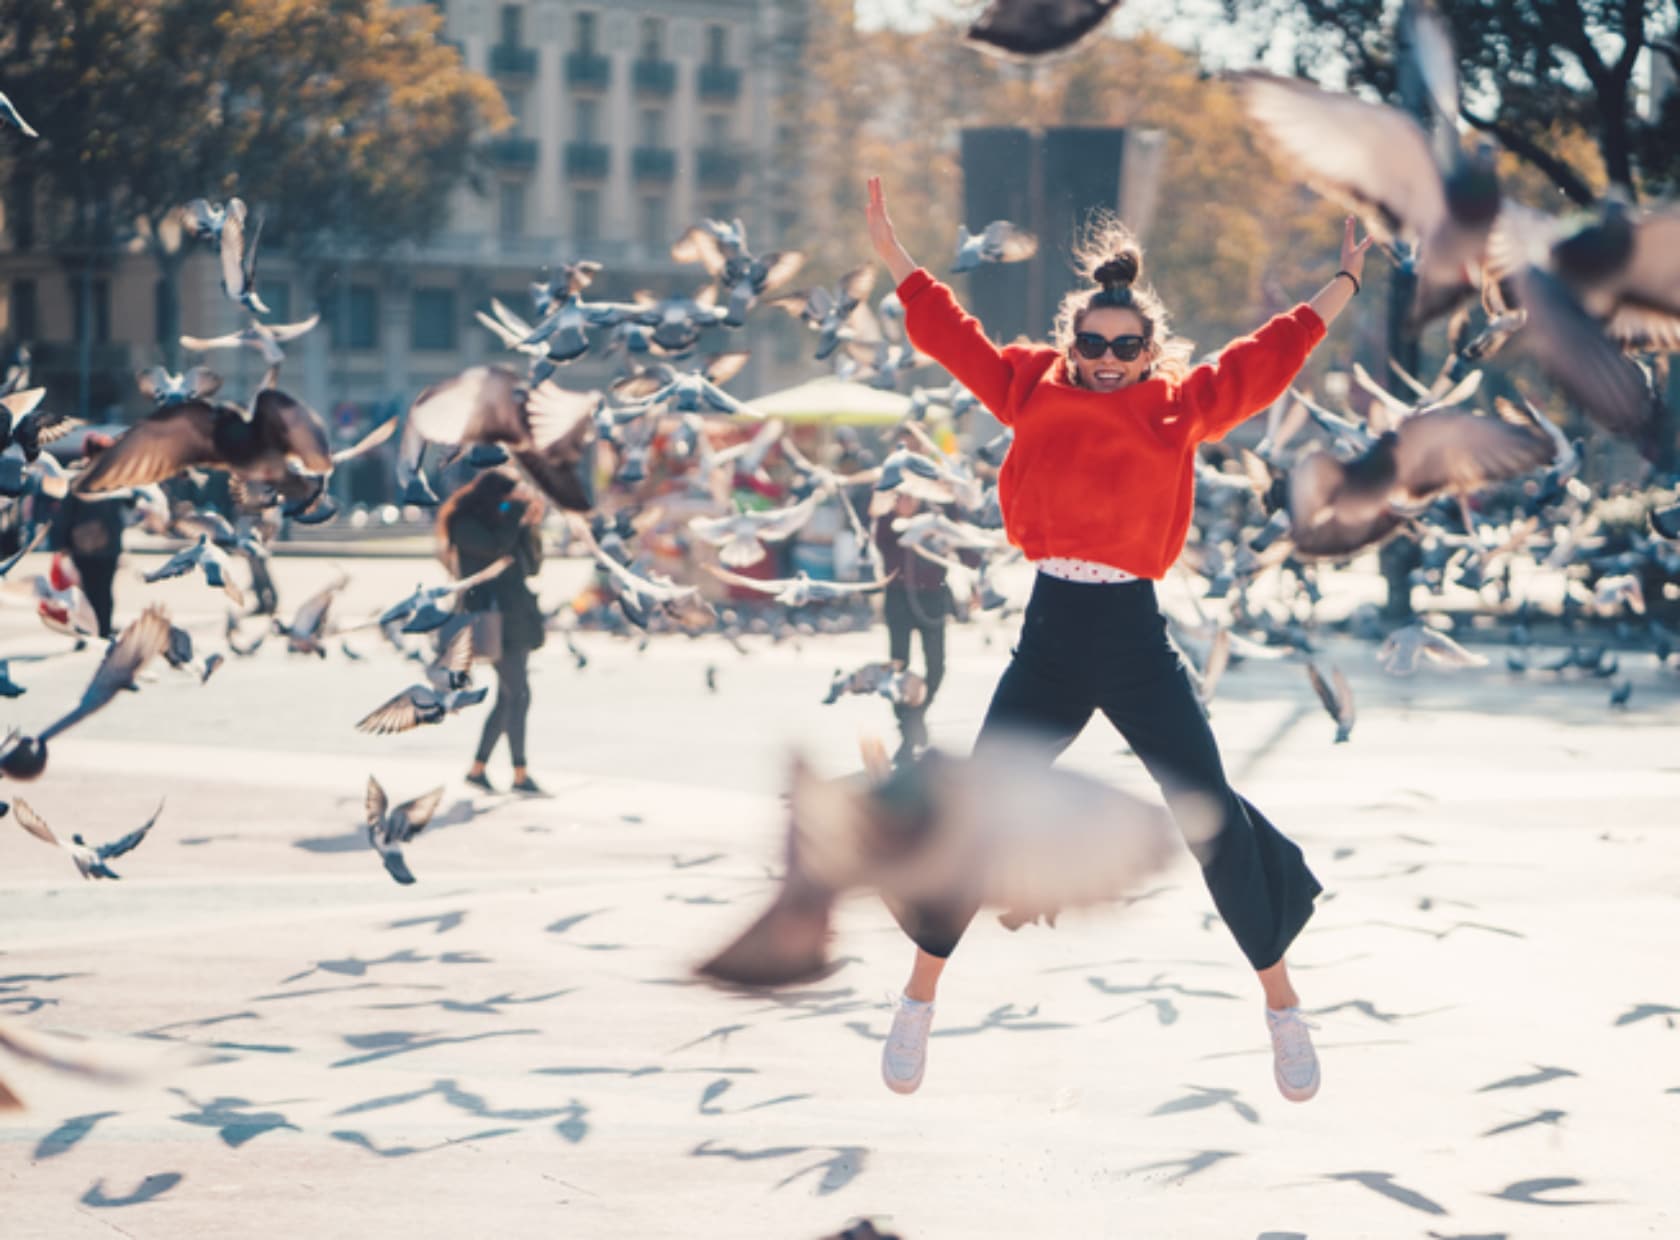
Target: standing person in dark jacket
column 492, row 516
column 90, row 531
column 916, row 600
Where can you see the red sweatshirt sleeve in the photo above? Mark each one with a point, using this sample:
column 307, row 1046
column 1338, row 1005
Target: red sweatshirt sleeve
column 939, row 327
column 1250, row 373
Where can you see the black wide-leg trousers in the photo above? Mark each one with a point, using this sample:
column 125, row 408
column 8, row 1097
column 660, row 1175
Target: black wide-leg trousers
column 1087, row 647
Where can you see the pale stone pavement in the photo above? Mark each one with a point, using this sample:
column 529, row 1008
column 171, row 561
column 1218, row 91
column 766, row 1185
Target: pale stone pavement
column 514, row 1046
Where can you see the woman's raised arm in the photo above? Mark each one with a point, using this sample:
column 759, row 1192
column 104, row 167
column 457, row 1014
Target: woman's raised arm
column 936, row 324
column 884, row 239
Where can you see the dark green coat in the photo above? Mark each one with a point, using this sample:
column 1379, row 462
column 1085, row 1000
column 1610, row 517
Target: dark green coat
column 477, row 545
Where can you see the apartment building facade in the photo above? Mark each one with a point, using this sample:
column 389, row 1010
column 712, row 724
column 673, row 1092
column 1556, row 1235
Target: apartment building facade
column 632, row 119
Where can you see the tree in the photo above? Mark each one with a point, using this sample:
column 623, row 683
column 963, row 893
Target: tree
column 1531, row 68
column 347, row 121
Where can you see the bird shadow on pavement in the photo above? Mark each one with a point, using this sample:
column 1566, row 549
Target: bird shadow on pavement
column 356, row 838
column 232, row 1118
column 152, row 1187
column 1002, row 1019
column 385, row 1044
column 351, row 1137
column 355, row 966
column 450, row 1093
column 843, row 1164
column 69, row 1134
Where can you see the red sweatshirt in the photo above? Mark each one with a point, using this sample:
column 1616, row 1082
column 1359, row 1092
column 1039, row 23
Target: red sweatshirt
column 1103, row 476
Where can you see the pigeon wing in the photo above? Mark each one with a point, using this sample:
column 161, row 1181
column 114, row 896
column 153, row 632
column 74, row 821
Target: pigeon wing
column 1462, row 451
column 417, row 814
column 142, row 641
column 232, row 253
column 151, row 451
column 1572, row 348
column 377, row 804
column 312, row 615
column 33, row 823
column 697, row 245
column 1372, row 159
column 479, row 405
column 400, row 714
column 301, row 428
column 117, row 848
column 368, row 442
column 291, row 331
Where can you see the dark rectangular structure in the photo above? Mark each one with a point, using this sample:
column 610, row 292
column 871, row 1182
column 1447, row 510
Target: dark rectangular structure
column 1046, row 181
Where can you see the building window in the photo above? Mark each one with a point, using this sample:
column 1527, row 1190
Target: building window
column 717, row 45
column 717, row 130
column 512, row 209
column 513, row 23
column 277, row 296
column 434, row 319
column 25, row 311
column 584, row 33
column 653, row 39
column 586, row 215
column 516, row 109
column 654, row 231
column 361, row 303
column 652, row 127
column 586, row 119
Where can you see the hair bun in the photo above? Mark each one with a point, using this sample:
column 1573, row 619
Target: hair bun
column 1120, row 270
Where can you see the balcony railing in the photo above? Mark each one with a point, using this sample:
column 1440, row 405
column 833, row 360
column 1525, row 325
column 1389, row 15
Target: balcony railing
column 588, row 160
column 512, row 60
column 588, row 70
column 719, row 82
column 717, row 167
column 654, row 77
column 653, row 163
column 514, row 152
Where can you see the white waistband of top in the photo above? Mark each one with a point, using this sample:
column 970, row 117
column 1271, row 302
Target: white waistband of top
column 1065, row 568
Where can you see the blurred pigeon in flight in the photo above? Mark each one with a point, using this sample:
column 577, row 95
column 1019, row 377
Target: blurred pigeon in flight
column 1023, row 29
column 1004, row 829
column 225, row 226
column 999, row 242
column 1406, row 648
column 1421, row 193
column 25, row 757
column 390, row 827
column 417, row 705
column 209, row 559
column 164, row 389
column 91, row 860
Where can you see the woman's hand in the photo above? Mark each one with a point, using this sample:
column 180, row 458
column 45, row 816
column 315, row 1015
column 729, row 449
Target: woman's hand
column 882, row 236
column 1353, row 251
column 1334, row 296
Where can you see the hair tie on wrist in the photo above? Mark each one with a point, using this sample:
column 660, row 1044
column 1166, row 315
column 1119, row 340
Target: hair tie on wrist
column 1349, row 275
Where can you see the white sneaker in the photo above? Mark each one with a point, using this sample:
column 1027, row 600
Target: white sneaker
column 1294, row 1062
column 904, row 1057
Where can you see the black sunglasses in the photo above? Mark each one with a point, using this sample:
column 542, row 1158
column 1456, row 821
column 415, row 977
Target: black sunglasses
column 1091, row 346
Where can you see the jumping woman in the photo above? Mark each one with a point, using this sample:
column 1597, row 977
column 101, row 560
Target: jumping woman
column 1097, row 491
